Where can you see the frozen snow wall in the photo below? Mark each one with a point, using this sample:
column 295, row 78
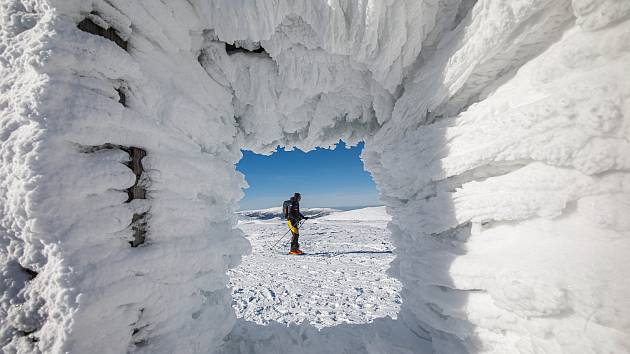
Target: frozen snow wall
column 497, row 131
column 118, row 181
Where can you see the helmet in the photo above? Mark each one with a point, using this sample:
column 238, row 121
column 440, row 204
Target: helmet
column 297, row 195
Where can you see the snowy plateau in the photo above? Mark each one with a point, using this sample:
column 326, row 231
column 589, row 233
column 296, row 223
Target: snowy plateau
column 341, row 278
column 497, row 132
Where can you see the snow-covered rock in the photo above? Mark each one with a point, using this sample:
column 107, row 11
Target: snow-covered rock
column 497, row 132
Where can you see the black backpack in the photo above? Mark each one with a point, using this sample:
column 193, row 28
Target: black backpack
column 285, row 209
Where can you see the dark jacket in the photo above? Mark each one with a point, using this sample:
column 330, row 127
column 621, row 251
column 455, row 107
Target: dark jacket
column 294, row 211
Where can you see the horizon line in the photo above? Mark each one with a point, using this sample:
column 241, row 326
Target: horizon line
column 330, row 207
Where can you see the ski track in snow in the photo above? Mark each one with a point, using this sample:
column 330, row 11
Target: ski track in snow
column 341, row 278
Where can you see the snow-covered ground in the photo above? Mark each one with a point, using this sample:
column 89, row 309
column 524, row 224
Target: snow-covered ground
column 341, row 278
column 376, row 215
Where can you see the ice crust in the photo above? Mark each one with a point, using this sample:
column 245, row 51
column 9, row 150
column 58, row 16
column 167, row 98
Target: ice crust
column 498, row 132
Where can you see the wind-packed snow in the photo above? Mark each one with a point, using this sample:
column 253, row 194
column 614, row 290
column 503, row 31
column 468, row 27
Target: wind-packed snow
column 341, row 278
column 497, row 131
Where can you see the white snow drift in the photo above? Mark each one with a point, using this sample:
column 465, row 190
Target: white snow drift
column 497, row 132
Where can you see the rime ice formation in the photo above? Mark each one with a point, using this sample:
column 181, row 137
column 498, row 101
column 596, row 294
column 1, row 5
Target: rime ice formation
column 497, row 132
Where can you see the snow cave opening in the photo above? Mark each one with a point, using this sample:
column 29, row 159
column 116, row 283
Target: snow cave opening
column 342, row 277
column 496, row 132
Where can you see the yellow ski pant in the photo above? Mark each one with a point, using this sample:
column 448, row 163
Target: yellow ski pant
column 293, row 228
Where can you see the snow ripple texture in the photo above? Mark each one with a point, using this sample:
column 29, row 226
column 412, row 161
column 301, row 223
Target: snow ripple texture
column 497, row 132
column 341, row 278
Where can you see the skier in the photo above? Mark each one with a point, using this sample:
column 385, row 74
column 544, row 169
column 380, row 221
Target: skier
column 294, row 217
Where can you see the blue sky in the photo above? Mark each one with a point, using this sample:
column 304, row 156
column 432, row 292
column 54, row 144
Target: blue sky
column 325, row 178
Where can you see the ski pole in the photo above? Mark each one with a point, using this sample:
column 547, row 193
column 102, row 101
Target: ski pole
column 274, row 245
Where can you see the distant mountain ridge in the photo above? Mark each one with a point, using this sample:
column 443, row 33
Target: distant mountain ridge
column 378, row 213
column 276, row 212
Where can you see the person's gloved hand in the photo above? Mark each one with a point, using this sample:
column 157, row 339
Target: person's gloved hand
column 305, row 218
